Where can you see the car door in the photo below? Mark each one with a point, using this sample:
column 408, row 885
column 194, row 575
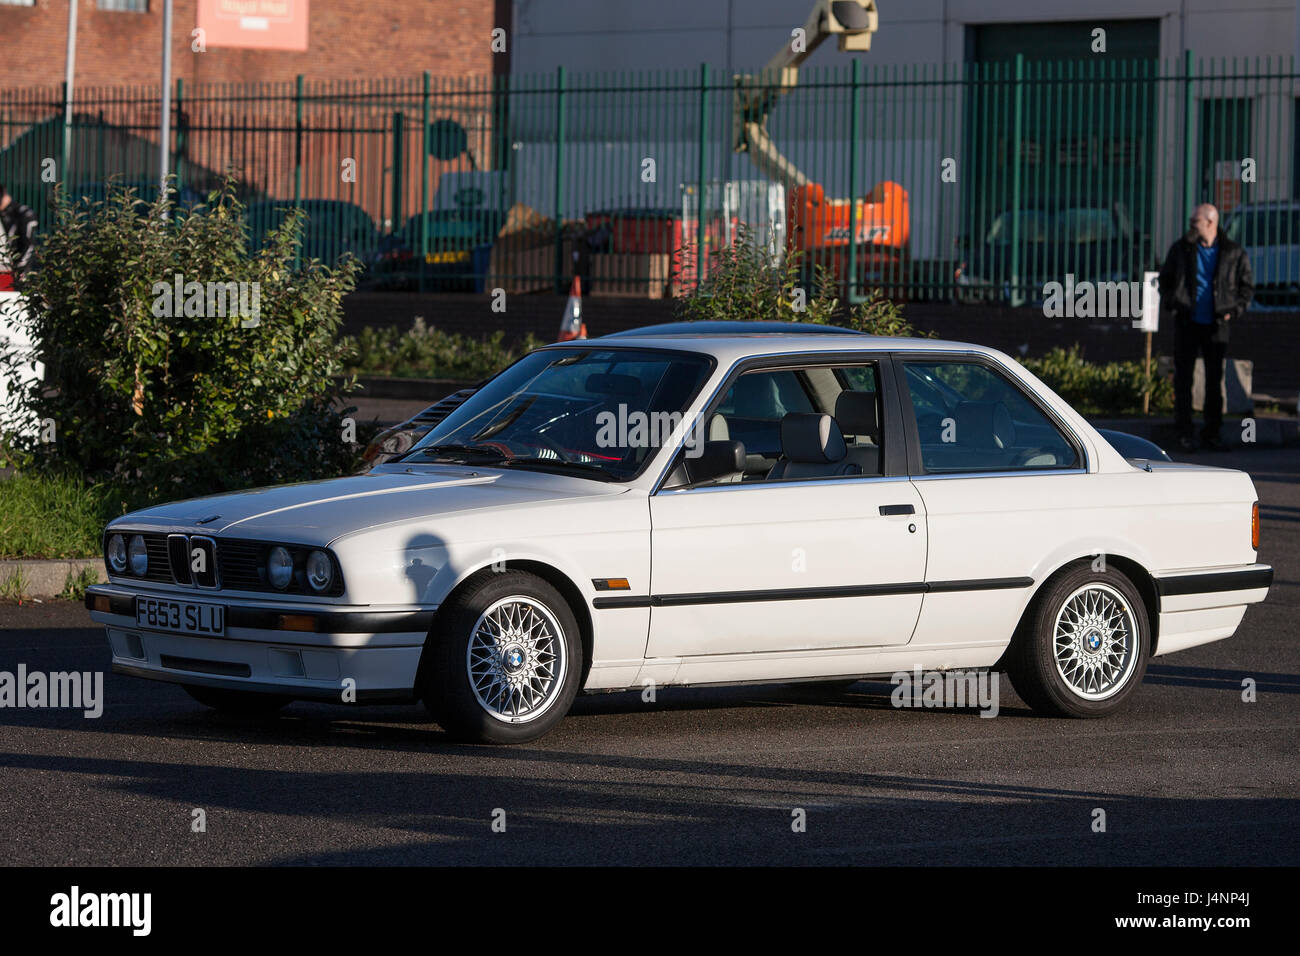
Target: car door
column 1003, row 479
column 805, row 564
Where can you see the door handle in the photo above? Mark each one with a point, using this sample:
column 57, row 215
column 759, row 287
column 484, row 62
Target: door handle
column 897, row 510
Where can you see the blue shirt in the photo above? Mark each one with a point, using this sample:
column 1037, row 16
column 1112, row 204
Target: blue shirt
column 1207, row 257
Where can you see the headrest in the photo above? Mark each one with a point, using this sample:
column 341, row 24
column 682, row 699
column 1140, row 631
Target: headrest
column 984, row 425
column 812, row 438
column 855, row 412
column 718, row 429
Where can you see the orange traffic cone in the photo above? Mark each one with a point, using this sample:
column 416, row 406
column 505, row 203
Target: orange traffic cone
column 571, row 326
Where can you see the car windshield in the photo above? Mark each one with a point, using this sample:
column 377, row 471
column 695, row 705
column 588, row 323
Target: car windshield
column 596, row 412
column 1076, row 224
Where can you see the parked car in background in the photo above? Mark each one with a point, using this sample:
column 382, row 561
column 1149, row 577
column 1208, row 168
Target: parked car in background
column 1270, row 234
column 1094, row 243
column 452, row 237
column 333, row 227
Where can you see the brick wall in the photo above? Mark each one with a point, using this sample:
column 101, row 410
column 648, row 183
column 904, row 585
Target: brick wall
column 1270, row 339
column 346, row 39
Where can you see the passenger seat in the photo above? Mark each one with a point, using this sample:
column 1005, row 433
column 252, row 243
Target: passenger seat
column 857, row 415
column 811, row 447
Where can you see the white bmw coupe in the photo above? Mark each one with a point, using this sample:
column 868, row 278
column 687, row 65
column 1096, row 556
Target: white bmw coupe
column 707, row 507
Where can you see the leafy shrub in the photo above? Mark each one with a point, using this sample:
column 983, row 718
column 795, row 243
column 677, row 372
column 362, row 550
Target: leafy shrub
column 1115, row 388
column 427, row 352
column 176, row 406
column 745, row 284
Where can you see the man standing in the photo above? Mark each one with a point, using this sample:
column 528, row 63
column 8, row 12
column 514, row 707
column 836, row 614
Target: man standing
column 1206, row 282
column 17, row 239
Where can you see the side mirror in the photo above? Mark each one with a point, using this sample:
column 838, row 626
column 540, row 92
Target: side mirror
column 719, row 459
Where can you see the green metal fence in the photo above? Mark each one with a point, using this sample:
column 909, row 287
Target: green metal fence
column 978, row 182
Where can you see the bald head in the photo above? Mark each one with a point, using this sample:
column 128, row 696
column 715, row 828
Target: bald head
column 1205, row 221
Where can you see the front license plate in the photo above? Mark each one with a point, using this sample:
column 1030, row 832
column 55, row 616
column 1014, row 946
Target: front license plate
column 187, row 617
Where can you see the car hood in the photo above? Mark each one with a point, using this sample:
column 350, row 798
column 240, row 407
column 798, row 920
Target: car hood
column 317, row 512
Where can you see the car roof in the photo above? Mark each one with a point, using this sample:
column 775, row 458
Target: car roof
column 722, row 327
column 734, row 347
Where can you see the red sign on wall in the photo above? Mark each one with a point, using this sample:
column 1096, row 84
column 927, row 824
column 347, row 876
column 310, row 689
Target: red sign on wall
column 256, row 24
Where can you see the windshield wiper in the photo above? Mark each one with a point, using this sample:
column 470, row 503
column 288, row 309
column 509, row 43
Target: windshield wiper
column 558, row 464
column 459, row 451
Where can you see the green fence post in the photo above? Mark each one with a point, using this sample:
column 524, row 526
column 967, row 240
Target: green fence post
column 297, row 143
column 297, row 159
column 559, row 178
column 180, row 137
column 1189, row 134
column 854, row 82
column 1017, row 111
column 399, row 169
column 424, row 182
column 700, row 173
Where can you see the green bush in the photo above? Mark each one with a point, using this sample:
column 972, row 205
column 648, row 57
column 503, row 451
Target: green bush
column 745, row 284
column 1114, row 388
column 426, row 352
column 182, row 404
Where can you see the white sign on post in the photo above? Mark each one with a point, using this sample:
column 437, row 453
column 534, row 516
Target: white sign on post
column 1150, row 321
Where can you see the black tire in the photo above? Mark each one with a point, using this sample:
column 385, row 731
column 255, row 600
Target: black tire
column 1031, row 661
column 449, row 692
column 243, row 702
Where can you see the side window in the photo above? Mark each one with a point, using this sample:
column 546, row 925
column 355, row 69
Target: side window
column 970, row 417
column 755, row 407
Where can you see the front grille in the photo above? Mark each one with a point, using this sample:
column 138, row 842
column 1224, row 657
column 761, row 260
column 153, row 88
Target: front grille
column 241, row 564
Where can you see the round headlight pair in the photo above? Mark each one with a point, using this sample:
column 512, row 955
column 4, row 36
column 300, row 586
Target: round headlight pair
column 279, row 569
column 120, row 555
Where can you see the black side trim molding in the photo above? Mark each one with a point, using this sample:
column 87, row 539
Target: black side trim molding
column 1212, row 581
column 333, row 622
column 812, row 594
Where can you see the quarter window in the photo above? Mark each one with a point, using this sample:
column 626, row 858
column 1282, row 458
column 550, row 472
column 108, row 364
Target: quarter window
column 970, row 417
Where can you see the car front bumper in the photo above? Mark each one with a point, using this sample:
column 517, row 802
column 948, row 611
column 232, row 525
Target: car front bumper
column 308, row 652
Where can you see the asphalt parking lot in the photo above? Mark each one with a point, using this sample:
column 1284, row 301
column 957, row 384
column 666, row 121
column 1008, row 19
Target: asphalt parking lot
column 1189, row 775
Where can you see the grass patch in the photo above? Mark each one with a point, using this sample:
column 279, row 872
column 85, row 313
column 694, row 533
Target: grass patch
column 14, row 587
column 54, row 516
column 74, row 586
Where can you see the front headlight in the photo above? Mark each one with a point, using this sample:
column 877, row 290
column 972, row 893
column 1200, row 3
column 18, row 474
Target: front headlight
column 320, row 570
column 279, row 568
column 117, row 554
column 138, row 555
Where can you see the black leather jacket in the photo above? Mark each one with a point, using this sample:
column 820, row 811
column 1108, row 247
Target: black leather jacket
column 1234, row 283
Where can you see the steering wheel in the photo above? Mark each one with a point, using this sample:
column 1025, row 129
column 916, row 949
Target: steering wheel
column 550, row 443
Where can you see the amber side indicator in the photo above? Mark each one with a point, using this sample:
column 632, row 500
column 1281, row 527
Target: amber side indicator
column 102, row 603
column 611, row 584
column 1254, row 526
column 297, row 622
